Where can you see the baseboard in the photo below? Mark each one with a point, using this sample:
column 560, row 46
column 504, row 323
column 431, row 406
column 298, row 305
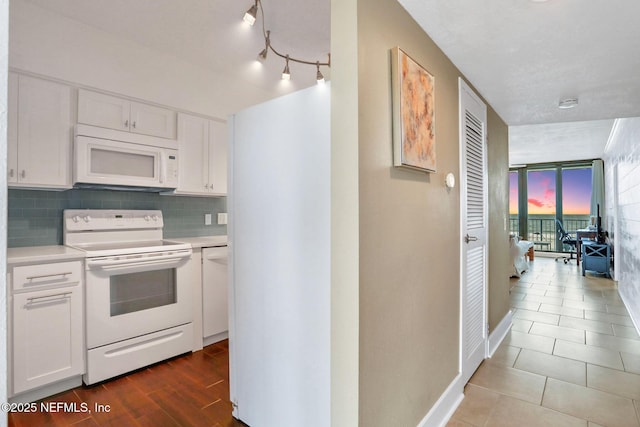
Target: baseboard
column 446, row 405
column 215, row 338
column 634, row 314
column 499, row 333
column 440, row 414
column 48, row 390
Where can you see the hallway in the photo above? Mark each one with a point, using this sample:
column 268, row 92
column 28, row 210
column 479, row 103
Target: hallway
column 572, row 357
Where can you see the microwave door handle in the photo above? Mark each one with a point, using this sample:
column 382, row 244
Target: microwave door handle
column 162, row 168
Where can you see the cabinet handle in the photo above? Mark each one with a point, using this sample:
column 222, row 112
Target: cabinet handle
column 23, row 174
column 61, row 295
column 133, row 125
column 42, row 276
column 11, row 173
column 126, row 124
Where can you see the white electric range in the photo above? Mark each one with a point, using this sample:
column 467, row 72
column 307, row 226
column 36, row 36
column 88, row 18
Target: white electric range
column 138, row 296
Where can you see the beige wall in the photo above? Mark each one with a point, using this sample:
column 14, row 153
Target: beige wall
column 498, row 165
column 409, row 232
column 344, row 214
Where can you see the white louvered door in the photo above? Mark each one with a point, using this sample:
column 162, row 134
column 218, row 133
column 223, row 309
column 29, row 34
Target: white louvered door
column 473, row 214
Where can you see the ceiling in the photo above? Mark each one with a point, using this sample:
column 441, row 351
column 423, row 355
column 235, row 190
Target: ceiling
column 523, row 56
column 212, row 35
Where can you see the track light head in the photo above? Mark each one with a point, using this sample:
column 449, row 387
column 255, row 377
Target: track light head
column 267, row 41
column 319, row 76
column 286, row 75
column 250, row 15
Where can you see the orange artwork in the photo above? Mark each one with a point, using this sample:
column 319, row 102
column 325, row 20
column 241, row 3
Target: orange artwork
column 414, row 133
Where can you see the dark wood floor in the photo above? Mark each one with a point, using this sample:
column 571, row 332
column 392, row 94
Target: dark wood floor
column 190, row 390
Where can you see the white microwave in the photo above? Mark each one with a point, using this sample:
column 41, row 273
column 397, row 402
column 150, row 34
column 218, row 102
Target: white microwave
column 117, row 159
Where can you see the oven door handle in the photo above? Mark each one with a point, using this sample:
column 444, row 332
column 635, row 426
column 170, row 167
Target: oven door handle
column 133, row 261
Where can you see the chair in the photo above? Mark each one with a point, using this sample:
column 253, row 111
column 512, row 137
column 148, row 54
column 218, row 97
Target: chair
column 517, row 249
column 566, row 239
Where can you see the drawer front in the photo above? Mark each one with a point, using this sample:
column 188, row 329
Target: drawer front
column 41, row 276
column 215, row 253
column 598, row 264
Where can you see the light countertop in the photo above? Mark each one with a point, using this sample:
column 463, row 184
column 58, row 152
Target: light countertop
column 55, row 253
column 40, row 254
column 201, row 242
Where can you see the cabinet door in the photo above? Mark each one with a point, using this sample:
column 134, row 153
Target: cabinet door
column 215, row 312
column 102, row 110
column 193, row 143
column 47, row 337
column 44, row 133
column 12, row 130
column 218, row 157
column 150, row 120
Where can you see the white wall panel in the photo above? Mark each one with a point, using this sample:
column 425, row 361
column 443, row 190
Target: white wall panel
column 622, row 171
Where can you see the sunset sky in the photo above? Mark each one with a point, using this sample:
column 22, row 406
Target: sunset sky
column 576, row 194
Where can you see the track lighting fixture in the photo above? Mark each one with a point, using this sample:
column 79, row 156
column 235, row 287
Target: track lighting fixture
column 286, row 75
column 250, row 17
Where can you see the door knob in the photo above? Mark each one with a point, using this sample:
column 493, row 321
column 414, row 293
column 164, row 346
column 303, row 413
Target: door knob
column 468, row 238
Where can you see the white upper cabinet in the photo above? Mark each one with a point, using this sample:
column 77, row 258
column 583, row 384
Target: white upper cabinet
column 103, row 110
column 218, row 157
column 12, row 130
column 108, row 111
column 150, row 120
column 203, row 156
column 193, row 146
column 39, row 134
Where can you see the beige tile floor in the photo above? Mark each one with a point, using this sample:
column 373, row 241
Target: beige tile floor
column 572, row 357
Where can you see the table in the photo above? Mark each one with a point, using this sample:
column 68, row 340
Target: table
column 584, row 233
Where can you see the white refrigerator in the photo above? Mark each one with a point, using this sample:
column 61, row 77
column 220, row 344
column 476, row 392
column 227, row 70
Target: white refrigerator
column 279, row 261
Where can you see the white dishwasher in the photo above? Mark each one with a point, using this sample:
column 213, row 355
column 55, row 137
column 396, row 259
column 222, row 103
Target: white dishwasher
column 215, row 305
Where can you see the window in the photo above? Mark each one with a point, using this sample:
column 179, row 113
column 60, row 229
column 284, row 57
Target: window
column 541, row 208
column 540, row 194
column 576, row 198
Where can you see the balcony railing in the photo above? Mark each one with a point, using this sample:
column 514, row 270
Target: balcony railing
column 542, row 231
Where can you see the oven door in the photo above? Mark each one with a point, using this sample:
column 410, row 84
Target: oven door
column 132, row 295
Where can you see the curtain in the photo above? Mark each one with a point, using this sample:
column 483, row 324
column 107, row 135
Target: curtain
column 597, row 187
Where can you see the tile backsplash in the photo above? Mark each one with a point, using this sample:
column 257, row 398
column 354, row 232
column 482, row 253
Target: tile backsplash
column 35, row 217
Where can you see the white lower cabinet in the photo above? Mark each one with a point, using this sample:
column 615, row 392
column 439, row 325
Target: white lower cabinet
column 215, row 312
column 46, row 325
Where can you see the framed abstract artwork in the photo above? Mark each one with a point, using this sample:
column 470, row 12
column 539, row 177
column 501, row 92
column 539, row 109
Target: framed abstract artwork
column 414, row 140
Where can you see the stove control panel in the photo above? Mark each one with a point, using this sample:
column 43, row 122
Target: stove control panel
column 78, row 220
